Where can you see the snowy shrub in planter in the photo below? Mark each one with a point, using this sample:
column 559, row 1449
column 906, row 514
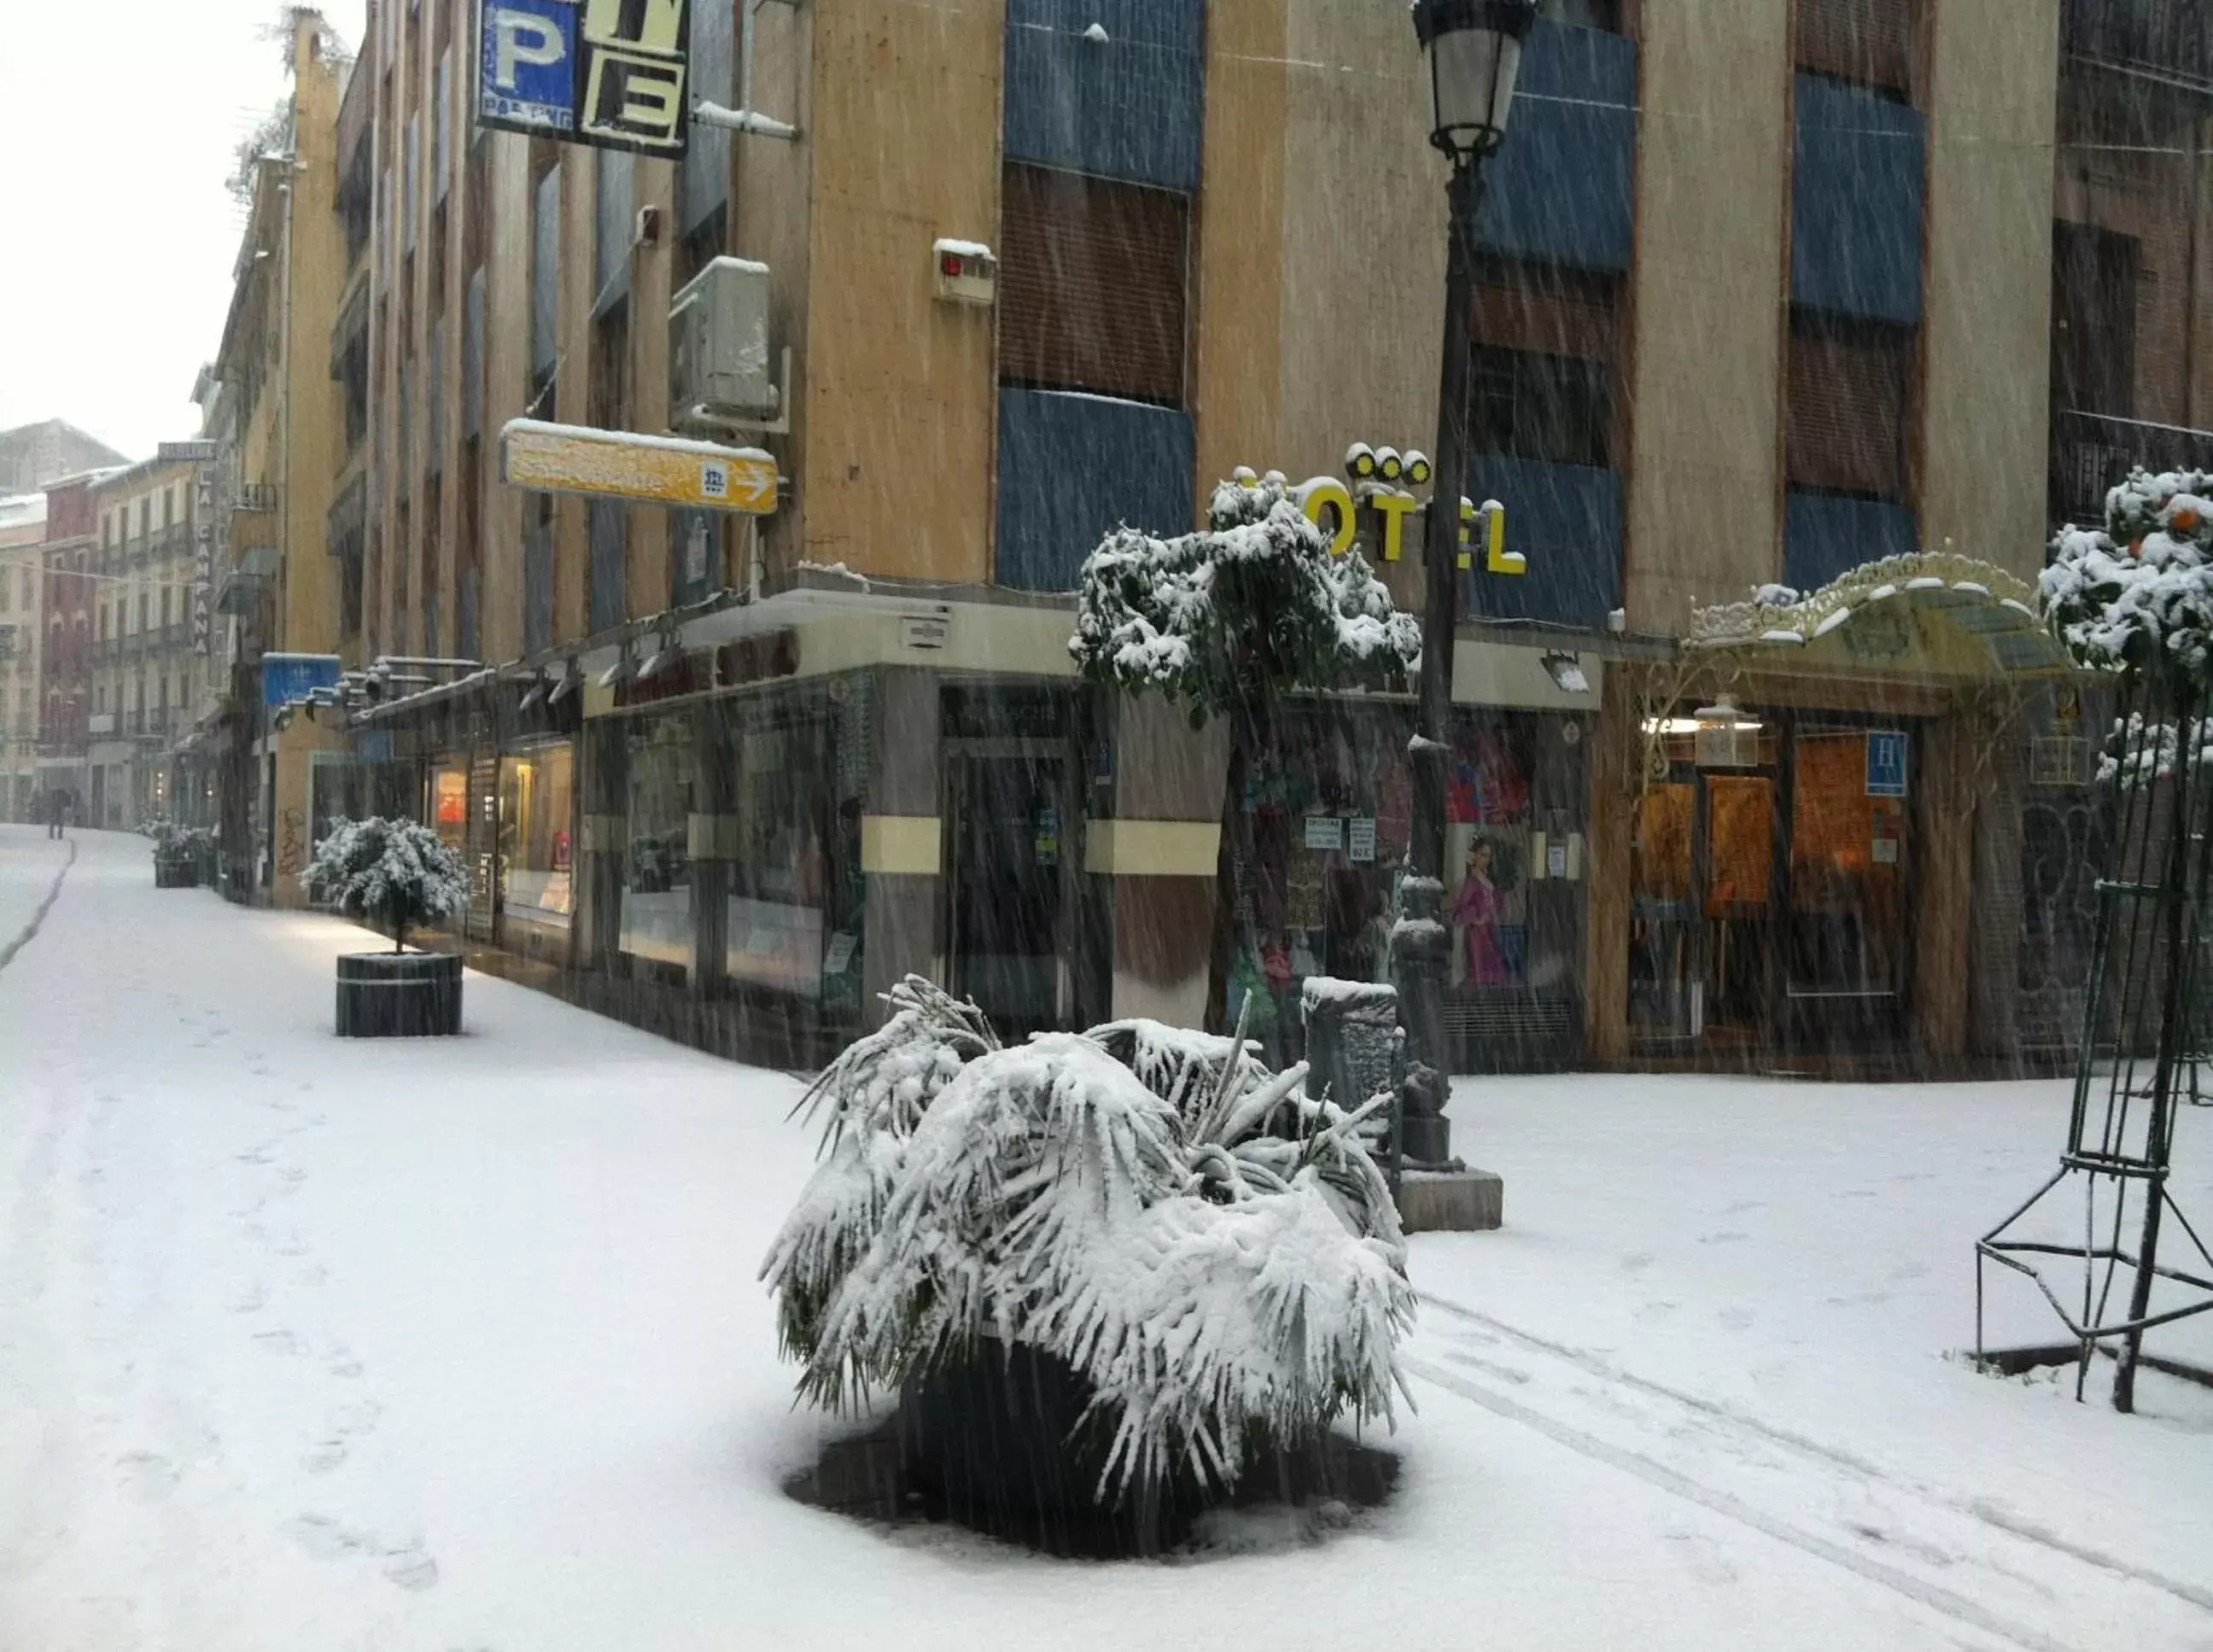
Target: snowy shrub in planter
column 1207, row 1262
column 393, row 873
column 2139, row 595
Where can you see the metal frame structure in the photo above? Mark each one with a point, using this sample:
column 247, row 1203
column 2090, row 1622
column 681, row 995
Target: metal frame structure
column 2145, row 1041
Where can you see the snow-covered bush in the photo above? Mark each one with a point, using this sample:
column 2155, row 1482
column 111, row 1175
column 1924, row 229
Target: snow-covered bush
column 1215, row 1255
column 394, row 873
column 1227, row 619
column 2138, row 594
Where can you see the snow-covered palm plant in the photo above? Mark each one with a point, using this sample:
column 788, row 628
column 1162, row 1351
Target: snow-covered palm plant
column 1251, row 608
column 394, row 873
column 1214, row 1255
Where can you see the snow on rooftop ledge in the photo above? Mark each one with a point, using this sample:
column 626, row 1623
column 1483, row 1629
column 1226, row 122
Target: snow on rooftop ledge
column 953, row 247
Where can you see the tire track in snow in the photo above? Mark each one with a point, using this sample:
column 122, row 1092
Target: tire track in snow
column 1947, row 1602
column 8, row 953
column 1729, row 1420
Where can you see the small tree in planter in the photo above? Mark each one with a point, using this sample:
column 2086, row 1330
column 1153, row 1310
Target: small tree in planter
column 1226, row 623
column 1103, row 1269
column 393, row 874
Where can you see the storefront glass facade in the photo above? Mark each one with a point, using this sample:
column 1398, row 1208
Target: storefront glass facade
column 537, row 874
column 1319, row 840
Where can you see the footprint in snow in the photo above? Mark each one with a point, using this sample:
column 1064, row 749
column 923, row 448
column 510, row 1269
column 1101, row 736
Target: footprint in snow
column 280, row 1342
column 148, row 1477
column 1736, row 1319
column 249, row 1301
column 1636, row 1263
column 1727, row 1236
column 324, row 1538
column 411, row 1568
column 323, row 1456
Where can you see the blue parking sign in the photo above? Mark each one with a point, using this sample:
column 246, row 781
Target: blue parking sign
column 526, row 67
column 1886, row 763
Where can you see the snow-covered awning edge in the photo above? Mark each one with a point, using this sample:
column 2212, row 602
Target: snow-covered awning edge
column 1778, row 616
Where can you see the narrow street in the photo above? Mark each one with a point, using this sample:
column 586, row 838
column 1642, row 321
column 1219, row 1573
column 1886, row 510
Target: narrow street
column 458, row 1345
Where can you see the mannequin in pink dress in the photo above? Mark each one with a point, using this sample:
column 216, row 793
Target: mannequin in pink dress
column 1477, row 910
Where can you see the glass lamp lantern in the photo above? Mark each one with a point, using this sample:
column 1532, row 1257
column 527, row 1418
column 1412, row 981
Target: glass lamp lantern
column 1473, row 49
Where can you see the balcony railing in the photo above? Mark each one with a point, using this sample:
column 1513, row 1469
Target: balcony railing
column 256, row 496
column 2171, row 39
column 2091, row 452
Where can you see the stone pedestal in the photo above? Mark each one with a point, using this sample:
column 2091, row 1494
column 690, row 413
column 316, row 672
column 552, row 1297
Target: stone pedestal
column 1451, row 1201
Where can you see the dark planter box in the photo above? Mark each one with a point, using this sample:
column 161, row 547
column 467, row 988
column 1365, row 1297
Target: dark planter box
column 1001, row 1442
column 176, row 872
column 385, row 995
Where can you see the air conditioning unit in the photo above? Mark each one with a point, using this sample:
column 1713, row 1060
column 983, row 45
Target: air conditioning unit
column 719, row 370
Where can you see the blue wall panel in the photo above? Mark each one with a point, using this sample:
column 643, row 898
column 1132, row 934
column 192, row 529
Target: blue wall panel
column 1566, row 519
column 1128, row 107
column 1559, row 189
column 1824, row 536
column 1074, row 467
column 1855, row 202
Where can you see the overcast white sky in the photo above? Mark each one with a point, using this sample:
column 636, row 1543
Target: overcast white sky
column 117, row 123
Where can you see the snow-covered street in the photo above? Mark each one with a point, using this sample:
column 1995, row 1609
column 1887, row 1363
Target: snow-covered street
column 459, row 1345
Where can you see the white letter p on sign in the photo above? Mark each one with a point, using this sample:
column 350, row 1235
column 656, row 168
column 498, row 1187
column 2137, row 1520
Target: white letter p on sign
column 522, row 38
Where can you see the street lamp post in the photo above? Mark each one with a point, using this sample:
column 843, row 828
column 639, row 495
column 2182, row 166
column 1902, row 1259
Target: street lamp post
column 1474, row 50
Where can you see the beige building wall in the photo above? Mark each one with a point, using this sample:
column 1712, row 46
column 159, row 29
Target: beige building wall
column 899, row 398
column 1987, row 295
column 1709, row 306
column 313, row 413
column 1364, row 219
column 1238, row 374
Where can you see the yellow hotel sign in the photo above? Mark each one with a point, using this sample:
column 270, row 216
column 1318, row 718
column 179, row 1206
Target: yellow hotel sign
column 624, row 465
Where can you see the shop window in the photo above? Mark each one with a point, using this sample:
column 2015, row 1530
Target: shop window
column 657, row 927
column 1847, row 405
column 1092, row 277
column 536, row 865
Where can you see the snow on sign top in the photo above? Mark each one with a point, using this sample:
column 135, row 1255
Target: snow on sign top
column 626, row 465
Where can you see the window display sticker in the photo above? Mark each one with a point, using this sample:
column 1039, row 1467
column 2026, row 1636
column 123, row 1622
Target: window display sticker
column 1325, row 831
column 1556, row 859
column 1360, row 842
column 1886, row 851
column 839, row 954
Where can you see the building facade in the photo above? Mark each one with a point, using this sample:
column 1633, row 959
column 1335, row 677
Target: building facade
column 148, row 681
column 65, row 652
column 22, row 628
column 273, row 408
column 31, row 456
column 1766, row 298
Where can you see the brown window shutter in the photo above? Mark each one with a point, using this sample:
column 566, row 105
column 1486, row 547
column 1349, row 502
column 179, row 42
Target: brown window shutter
column 1091, row 285
column 1870, row 41
column 1547, row 311
column 1846, row 425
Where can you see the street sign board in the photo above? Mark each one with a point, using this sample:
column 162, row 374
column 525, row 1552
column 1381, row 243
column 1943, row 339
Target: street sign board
column 1886, row 763
column 186, row 452
column 624, row 465
column 286, row 678
column 604, row 72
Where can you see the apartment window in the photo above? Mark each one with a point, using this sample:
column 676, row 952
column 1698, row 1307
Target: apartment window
column 1845, row 430
column 545, row 266
column 142, row 610
column 1093, row 278
column 2095, row 274
column 1541, row 373
column 29, row 594
column 1869, row 42
column 166, row 595
column 168, row 506
column 144, row 510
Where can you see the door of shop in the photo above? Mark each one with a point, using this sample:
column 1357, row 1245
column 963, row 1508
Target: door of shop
column 1702, row 930
column 1769, row 902
column 1007, row 817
